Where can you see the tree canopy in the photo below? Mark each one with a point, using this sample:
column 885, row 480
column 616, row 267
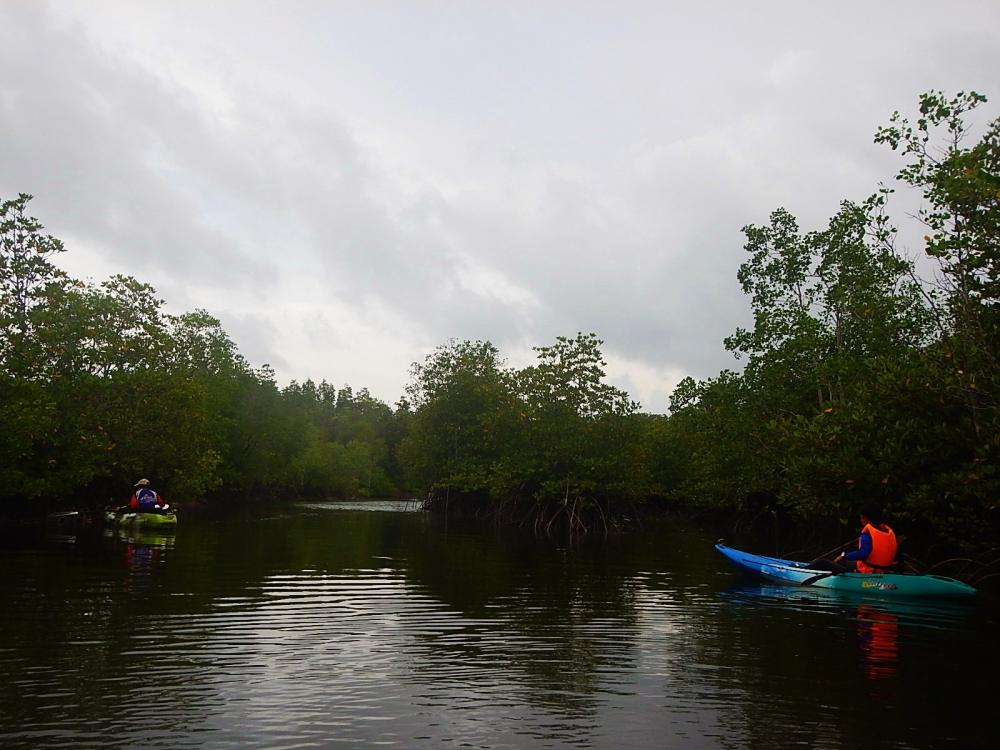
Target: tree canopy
column 99, row 385
column 861, row 382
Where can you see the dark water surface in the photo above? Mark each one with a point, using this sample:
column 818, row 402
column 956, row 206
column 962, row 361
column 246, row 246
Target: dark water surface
column 339, row 626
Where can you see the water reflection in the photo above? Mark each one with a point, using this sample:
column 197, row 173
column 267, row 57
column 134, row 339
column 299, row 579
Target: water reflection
column 925, row 613
column 878, row 621
column 142, row 550
column 878, row 636
column 382, row 506
column 330, row 626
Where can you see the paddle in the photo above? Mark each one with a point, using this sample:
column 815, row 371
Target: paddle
column 826, row 574
column 64, row 514
column 812, row 579
column 838, row 548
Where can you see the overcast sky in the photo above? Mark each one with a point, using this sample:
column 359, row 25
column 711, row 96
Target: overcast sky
column 348, row 185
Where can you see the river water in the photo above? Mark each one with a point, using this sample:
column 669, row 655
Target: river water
column 340, row 625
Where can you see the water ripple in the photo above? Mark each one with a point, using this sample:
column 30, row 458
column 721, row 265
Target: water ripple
column 414, row 638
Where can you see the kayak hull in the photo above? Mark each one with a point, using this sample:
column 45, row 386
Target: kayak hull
column 142, row 520
column 874, row 584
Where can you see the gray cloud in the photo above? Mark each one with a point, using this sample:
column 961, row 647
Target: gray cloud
column 347, row 186
column 110, row 152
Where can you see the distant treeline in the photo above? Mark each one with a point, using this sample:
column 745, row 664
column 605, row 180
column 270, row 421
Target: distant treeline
column 863, row 383
column 99, row 387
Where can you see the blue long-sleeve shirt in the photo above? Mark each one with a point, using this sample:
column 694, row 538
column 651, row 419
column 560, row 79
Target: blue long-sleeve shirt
column 864, row 548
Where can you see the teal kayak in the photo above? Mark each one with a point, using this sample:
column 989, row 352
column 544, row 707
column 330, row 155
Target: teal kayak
column 874, row 584
column 141, row 520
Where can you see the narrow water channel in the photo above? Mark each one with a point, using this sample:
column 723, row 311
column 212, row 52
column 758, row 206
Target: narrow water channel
column 340, row 625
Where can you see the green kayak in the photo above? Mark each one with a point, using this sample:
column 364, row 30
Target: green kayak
column 141, row 520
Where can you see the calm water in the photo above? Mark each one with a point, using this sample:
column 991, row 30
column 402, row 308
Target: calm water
column 342, row 626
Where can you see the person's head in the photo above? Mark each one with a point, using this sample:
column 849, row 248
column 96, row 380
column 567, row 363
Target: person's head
column 142, row 483
column 871, row 515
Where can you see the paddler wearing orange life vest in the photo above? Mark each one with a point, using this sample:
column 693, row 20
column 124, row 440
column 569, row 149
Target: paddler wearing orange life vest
column 876, row 550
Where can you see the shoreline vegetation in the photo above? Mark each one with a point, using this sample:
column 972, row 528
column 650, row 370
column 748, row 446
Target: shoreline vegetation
column 861, row 382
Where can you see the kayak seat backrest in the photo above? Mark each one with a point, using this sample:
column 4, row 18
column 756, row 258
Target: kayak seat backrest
column 146, row 499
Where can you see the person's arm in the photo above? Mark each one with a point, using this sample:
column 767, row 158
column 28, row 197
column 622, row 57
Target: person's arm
column 864, row 548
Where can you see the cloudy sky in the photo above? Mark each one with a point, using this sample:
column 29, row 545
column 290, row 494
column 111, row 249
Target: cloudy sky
column 349, row 184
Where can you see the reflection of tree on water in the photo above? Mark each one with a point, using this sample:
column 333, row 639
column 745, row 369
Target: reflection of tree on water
column 306, row 626
column 878, row 636
column 82, row 625
column 545, row 616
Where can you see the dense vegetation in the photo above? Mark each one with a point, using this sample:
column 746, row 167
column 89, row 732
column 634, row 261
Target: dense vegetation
column 549, row 442
column 868, row 376
column 99, row 386
column 865, row 383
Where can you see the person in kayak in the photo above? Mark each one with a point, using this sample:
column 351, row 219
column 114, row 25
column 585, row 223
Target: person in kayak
column 146, row 500
column 877, row 546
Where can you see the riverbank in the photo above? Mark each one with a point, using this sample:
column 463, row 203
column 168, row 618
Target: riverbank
column 765, row 531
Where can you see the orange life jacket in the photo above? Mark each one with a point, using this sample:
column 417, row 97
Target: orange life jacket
column 883, row 550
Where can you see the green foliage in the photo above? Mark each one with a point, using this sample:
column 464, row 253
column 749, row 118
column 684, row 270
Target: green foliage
column 549, row 434
column 863, row 382
column 30, row 417
column 715, row 448
column 100, row 386
column 26, row 273
column 198, row 344
column 961, row 186
column 577, row 440
column 825, row 305
column 113, row 327
column 460, row 429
